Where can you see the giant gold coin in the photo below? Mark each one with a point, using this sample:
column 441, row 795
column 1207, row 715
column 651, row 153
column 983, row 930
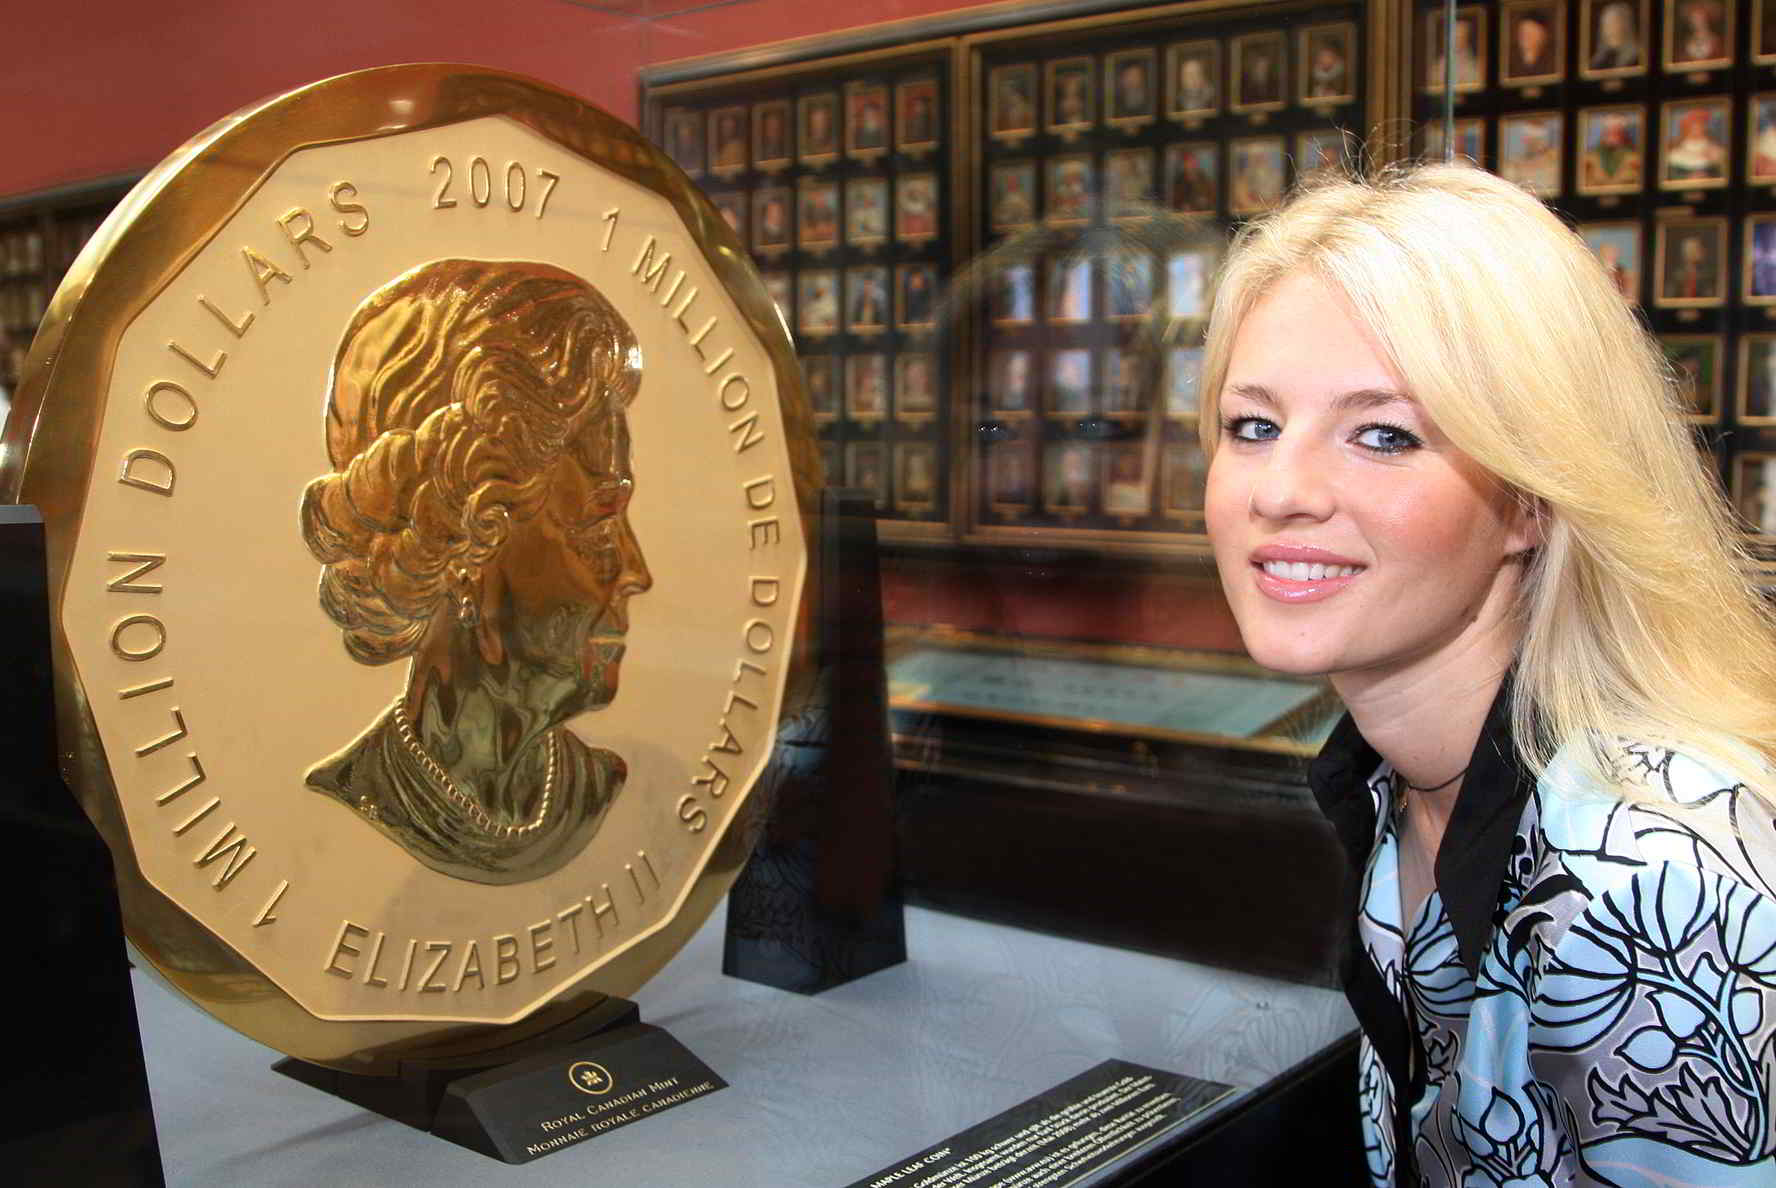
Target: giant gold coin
column 428, row 488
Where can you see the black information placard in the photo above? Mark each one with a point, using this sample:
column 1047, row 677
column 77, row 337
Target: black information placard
column 1059, row 1137
column 538, row 1106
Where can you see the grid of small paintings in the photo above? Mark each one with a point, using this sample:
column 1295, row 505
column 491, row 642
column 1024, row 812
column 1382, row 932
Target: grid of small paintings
column 1651, row 126
column 837, row 182
column 1112, row 172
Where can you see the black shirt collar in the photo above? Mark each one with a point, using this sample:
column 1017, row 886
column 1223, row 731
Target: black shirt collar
column 1476, row 848
column 1475, row 853
column 1339, row 777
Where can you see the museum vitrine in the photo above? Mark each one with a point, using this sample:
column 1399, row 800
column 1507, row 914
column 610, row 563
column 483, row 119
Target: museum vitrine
column 1014, row 381
column 992, row 235
column 1100, row 163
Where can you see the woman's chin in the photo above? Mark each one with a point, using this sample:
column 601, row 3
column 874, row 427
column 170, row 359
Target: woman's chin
column 1291, row 661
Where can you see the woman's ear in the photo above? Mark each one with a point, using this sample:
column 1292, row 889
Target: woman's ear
column 1529, row 520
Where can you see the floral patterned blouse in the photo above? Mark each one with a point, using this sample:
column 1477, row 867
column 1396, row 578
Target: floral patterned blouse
column 1589, row 995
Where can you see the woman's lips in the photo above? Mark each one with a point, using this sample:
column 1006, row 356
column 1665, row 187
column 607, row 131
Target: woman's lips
column 1283, row 586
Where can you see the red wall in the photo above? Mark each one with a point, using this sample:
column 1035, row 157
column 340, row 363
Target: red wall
column 99, row 87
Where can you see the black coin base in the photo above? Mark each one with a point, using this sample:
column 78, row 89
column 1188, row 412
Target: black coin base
column 594, row 1075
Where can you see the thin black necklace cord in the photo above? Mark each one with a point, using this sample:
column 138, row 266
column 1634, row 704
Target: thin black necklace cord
column 1435, row 787
column 1401, row 787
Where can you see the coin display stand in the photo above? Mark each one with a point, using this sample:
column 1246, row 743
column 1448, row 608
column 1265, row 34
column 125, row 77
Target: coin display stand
column 520, row 1103
column 75, row 1085
column 820, row 905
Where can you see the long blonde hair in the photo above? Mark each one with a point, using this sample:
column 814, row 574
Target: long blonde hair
column 1639, row 618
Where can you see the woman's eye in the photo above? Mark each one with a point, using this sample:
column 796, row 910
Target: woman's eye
column 1387, row 439
column 1252, row 429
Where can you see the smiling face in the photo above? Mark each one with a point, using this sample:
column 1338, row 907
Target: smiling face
column 1352, row 538
column 566, row 574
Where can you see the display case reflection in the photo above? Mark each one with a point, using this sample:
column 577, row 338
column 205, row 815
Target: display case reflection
column 836, row 179
column 1105, row 210
column 1108, row 166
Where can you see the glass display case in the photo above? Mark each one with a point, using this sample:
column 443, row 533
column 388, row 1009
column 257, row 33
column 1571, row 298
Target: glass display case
column 992, row 234
column 1066, row 683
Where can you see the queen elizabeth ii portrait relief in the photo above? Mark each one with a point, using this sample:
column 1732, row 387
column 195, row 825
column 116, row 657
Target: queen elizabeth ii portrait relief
column 475, row 524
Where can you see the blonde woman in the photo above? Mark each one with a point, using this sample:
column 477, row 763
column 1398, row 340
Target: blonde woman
column 1449, row 471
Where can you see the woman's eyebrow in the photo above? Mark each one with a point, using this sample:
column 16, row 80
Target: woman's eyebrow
column 1359, row 398
column 1370, row 398
column 1255, row 392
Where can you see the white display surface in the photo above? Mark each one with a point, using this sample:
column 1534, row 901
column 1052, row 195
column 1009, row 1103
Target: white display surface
column 824, row 1089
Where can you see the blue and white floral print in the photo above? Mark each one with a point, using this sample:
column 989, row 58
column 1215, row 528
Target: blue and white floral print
column 1621, row 1029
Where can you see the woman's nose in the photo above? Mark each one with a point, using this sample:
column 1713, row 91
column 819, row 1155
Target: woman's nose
column 1293, row 481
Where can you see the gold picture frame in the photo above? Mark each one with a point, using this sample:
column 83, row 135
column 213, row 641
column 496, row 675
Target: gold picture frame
column 1194, row 99
column 1614, row 38
column 1317, row 83
column 1013, row 104
column 1682, row 287
column 1605, row 168
column 1471, row 68
column 1698, row 36
column 1754, row 494
column 1515, row 67
column 1251, row 91
column 1123, row 109
column 1070, row 94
